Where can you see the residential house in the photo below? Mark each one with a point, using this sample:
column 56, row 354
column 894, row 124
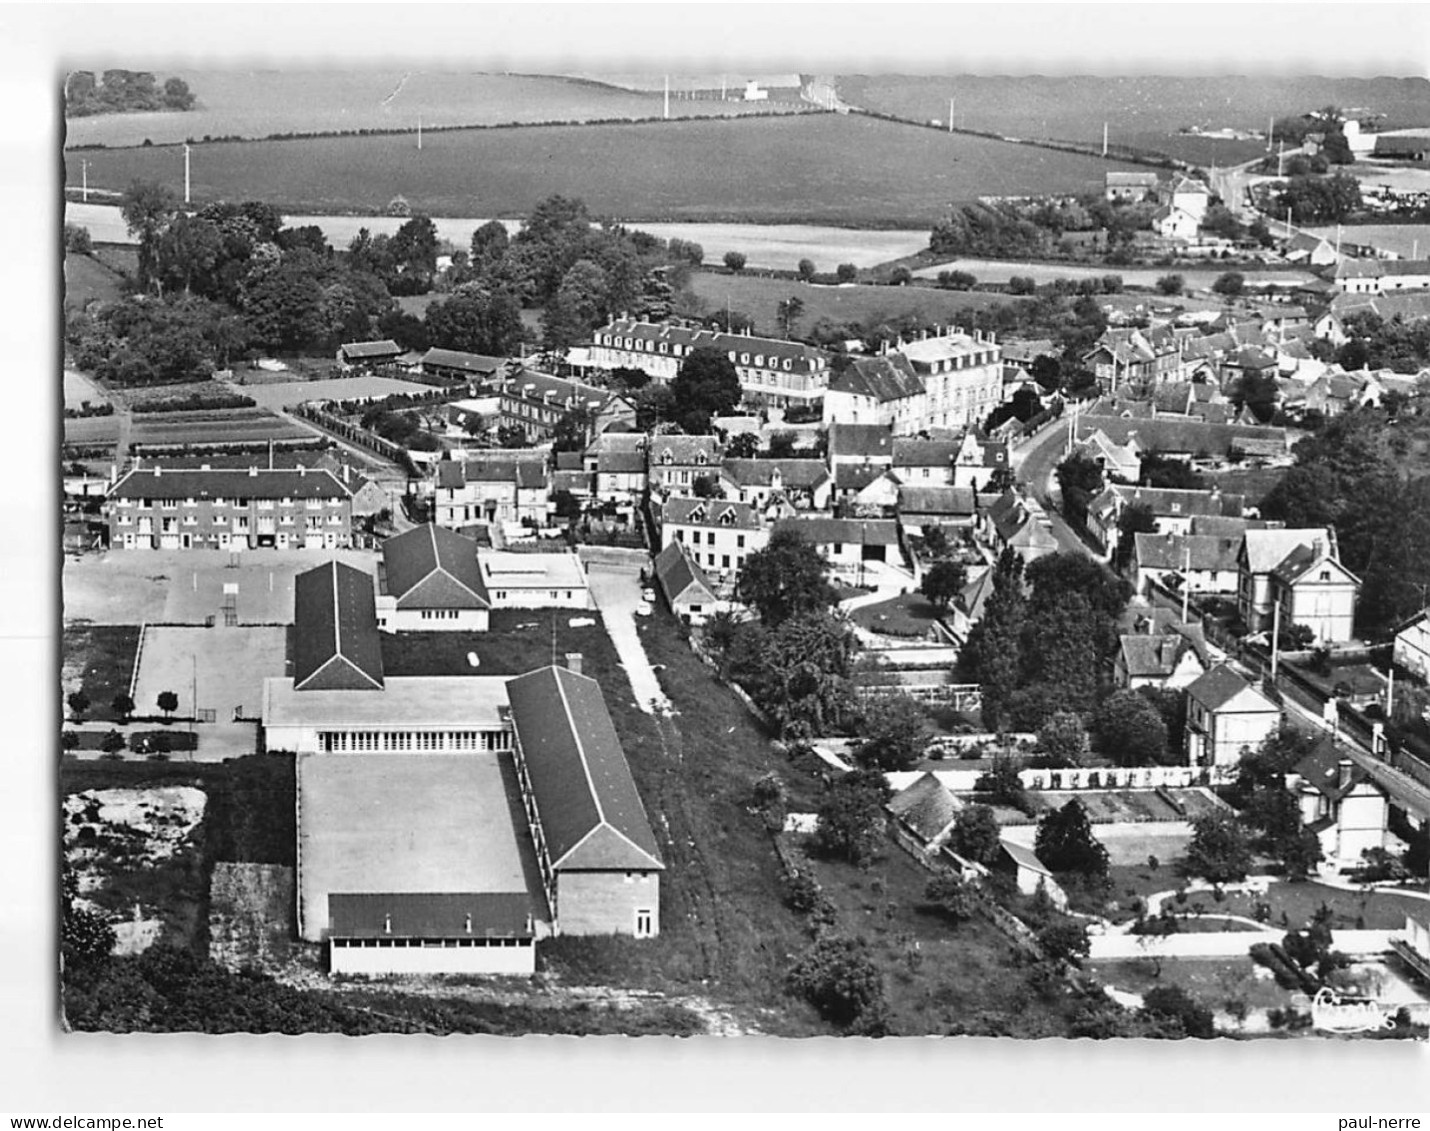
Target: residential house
column 1166, row 661
column 1298, row 571
column 229, row 509
column 687, row 590
column 1411, row 650
column 1137, row 359
column 853, row 480
column 850, row 545
column 1030, row 874
column 536, row 402
column 621, row 476
column 883, row 390
column 981, row 462
column 1121, row 462
column 1174, row 223
column 491, row 489
column 803, row 483
column 1192, row 439
column 1173, row 511
column 962, row 375
column 1380, row 276
column 1190, row 196
column 428, row 581
column 1341, row 804
column 1204, row 563
column 925, row 463
column 867, row 444
column 1312, row 250
column 1226, row 716
column 924, row 813
column 676, row 462
column 772, row 372
column 1018, row 522
column 921, row 507
column 1130, row 187
column 719, row 533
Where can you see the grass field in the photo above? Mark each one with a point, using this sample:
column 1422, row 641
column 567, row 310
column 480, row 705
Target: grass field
column 259, row 103
column 759, row 297
column 79, row 389
column 280, row 395
column 99, row 660
column 1196, row 278
column 906, row 615
column 87, row 280
column 1211, row 981
column 1141, row 111
column 780, row 247
column 819, row 169
column 205, row 427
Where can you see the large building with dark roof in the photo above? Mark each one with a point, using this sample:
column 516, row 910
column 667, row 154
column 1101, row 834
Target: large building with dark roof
column 429, row 581
column 448, row 822
column 208, row 508
column 599, row 861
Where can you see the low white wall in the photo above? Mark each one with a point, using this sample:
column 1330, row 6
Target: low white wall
column 1223, row 944
column 379, row 960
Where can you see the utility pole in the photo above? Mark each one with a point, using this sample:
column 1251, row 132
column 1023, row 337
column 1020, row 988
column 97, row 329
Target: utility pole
column 84, row 180
column 951, row 105
column 667, row 97
column 1280, row 158
column 186, row 173
column 1104, row 139
column 1270, row 133
column 722, row 88
column 1275, row 639
column 1186, row 580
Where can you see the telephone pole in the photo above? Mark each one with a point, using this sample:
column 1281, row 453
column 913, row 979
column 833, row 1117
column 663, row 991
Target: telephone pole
column 1104, row 139
column 84, row 180
column 186, row 173
column 419, row 132
column 667, row 97
column 951, row 105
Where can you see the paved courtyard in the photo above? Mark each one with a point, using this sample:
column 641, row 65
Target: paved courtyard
column 227, row 667
column 187, row 586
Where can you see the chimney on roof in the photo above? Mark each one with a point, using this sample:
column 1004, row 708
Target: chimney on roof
column 573, row 662
column 1343, row 773
column 302, row 470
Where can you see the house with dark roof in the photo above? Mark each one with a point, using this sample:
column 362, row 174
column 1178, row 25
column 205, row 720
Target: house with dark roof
column 1173, row 510
column 925, row 811
column 925, row 463
column 676, row 463
column 883, row 390
column 1018, row 522
column 803, row 483
column 981, row 461
column 491, row 489
column 1204, row 563
column 211, row 508
column 719, row 533
column 600, row 863
column 1226, row 717
column 458, row 365
column 1341, row 804
column 936, row 506
column 850, row 545
column 1191, row 439
column 1130, row 187
column 428, row 581
column 687, row 590
column 621, row 476
column 1166, row 660
column 860, row 444
column 1118, row 461
column 1297, row 570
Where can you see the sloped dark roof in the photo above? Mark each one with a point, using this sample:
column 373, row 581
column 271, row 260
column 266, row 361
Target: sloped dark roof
column 937, row 500
column 1206, row 552
column 1214, row 689
column 860, row 440
column 336, row 645
column 433, row 568
column 806, row 473
column 926, row 453
column 473, row 363
column 1184, row 436
column 685, row 511
column 927, row 807
column 676, row 572
column 230, row 483
column 430, row 916
column 885, row 378
column 362, row 351
column 1321, row 770
column 590, row 811
column 851, row 531
column 856, row 476
column 621, row 463
column 1146, row 656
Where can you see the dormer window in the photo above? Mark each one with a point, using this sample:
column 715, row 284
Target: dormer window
column 727, row 519
column 666, row 458
column 700, row 458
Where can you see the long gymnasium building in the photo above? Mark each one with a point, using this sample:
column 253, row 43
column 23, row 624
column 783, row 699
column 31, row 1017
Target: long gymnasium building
column 448, row 823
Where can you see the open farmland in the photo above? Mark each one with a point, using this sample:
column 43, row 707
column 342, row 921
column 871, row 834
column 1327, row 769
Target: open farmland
column 256, row 104
column 228, row 425
column 1143, row 111
column 758, row 297
column 822, row 168
column 289, row 393
column 780, row 247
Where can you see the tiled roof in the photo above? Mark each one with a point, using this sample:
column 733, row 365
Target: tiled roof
column 1131, row 180
column 676, row 450
column 432, row 568
column 799, row 473
column 676, row 572
column 357, row 351
column 1201, row 552
column 336, row 645
column 229, row 483
column 860, row 440
column 1172, row 502
column 621, row 463
column 950, row 501
column 925, row 453
column 590, row 811
column 430, row 916
column 647, row 336
column 1267, row 549
column 1216, row 688
column 1321, row 769
column 526, row 473
column 884, row 378
column 474, row 363
column 856, row 476
column 1185, row 437
column 927, row 807
column 843, row 531
column 684, row 511
column 1152, row 657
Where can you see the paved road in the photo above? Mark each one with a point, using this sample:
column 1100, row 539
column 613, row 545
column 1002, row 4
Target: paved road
column 1034, row 463
column 617, row 592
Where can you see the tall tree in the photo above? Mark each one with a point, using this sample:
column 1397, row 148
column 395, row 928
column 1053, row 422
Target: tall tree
column 851, row 818
column 1219, row 851
column 787, row 578
column 892, row 733
column 1130, row 730
column 1065, row 842
column 477, row 321
column 705, row 386
column 148, row 208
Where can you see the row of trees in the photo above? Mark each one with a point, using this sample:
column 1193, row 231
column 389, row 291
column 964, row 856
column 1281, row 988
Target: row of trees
column 120, row 91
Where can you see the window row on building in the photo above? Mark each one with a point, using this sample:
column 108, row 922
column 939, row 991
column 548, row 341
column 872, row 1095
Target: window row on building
column 370, row 741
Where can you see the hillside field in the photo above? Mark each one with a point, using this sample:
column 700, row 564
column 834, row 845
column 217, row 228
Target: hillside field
column 1144, row 111
column 758, row 297
column 820, row 168
column 261, row 103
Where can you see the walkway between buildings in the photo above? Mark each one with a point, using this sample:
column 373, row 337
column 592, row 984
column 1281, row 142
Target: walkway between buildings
column 617, row 592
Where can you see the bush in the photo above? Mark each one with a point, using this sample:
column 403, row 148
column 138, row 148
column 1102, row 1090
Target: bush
column 112, row 743
column 1175, row 1004
column 846, row 273
column 837, row 977
column 1171, row 284
column 69, row 740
